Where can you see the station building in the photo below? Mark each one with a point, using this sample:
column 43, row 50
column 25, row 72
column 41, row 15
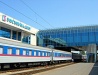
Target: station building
column 83, row 38
column 14, row 30
column 72, row 36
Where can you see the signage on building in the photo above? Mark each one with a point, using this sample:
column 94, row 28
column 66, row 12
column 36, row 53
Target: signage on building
column 14, row 22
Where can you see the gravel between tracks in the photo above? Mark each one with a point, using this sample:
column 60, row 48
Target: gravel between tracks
column 30, row 71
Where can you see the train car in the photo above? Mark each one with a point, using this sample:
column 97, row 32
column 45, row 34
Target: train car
column 17, row 53
column 11, row 53
column 84, row 58
column 62, row 55
column 76, row 57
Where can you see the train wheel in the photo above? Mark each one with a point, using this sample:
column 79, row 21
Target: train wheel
column 27, row 65
column 12, row 66
column 17, row 65
column 2, row 66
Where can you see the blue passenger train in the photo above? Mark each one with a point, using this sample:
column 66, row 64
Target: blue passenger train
column 16, row 54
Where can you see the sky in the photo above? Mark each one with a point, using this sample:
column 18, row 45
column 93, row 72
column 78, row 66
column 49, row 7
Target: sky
column 47, row 14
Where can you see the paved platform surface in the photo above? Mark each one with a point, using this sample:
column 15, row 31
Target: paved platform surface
column 75, row 69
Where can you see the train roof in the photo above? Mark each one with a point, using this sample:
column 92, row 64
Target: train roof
column 5, row 41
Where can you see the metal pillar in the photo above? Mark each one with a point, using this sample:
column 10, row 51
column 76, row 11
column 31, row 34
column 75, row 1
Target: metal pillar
column 11, row 34
column 91, row 53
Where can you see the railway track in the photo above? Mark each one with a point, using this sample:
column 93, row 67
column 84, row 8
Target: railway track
column 30, row 71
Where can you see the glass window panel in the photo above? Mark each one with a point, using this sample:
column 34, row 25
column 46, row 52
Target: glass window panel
column 14, row 35
column 26, row 39
column 24, row 52
column 48, row 54
column 4, row 32
column 19, row 36
column 84, row 38
column 30, row 52
column 34, row 53
column 17, row 52
column 1, row 50
column 9, row 51
column 42, row 53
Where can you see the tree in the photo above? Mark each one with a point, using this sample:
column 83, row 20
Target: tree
column 82, row 52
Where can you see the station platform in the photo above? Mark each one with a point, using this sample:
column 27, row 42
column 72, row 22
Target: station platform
column 75, row 69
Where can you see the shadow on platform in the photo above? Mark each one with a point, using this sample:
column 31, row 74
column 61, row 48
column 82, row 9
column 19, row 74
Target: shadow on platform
column 94, row 70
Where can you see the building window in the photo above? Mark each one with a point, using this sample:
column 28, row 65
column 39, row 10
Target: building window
column 14, row 35
column 9, row 50
column 24, row 52
column 19, row 36
column 4, row 32
column 1, row 50
column 26, row 39
column 17, row 52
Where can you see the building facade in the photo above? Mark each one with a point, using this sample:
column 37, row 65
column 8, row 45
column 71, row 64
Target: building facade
column 12, row 29
column 72, row 36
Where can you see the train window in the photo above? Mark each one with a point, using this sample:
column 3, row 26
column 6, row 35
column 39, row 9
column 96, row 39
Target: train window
column 9, row 50
column 38, row 53
column 34, row 53
column 1, row 50
column 30, row 52
column 42, row 53
column 60, row 55
column 46, row 53
column 17, row 51
column 55, row 54
column 50, row 53
column 24, row 52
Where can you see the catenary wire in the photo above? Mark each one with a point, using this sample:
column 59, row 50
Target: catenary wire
column 23, row 14
column 36, row 13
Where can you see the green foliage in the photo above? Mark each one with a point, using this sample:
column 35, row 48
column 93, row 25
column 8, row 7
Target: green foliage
column 82, row 52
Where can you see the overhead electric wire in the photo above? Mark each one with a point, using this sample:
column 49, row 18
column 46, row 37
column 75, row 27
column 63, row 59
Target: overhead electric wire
column 27, row 16
column 36, row 13
column 23, row 14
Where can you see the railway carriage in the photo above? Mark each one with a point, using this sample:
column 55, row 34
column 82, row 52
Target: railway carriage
column 11, row 54
column 62, row 55
column 19, row 54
